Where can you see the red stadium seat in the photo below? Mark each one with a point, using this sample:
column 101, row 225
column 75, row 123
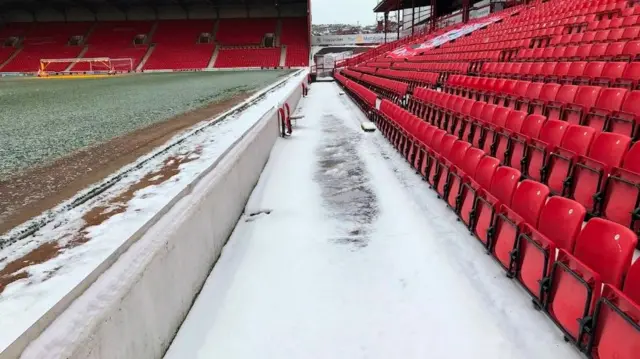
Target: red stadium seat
column 622, row 192
column 480, row 182
column 576, row 142
column 609, row 101
column 551, row 135
column 585, row 97
column 602, row 254
column 616, row 333
column 590, row 172
column 470, row 162
column 558, row 226
column 527, row 202
column 626, row 120
column 503, row 184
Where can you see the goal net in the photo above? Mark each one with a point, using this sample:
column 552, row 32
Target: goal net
column 101, row 65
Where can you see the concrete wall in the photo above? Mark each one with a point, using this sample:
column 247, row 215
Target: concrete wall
column 139, row 303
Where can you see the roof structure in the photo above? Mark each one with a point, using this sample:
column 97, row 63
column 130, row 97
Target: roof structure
column 31, row 5
column 443, row 6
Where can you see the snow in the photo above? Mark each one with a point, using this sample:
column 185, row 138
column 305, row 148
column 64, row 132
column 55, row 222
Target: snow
column 356, row 258
column 25, row 301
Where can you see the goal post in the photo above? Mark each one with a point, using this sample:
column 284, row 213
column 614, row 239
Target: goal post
column 85, row 65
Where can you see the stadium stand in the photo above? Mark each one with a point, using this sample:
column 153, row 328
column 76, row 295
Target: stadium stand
column 294, row 36
column 175, row 44
column 527, row 128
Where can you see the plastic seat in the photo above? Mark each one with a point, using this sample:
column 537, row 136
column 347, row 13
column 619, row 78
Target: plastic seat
column 616, row 333
column 622, row 192
column 630, row 77
column 611, row 71
column 609, row 101
column 500, row 146
column 614, row 50
column 519, row 91
column 631, row 50
column 559, row 224
column 576, row 142
column 527, row 202
column 480, row 182
column 459, row 176
column 626, row 120
column 548, row 93
column 565, row 95
column 630, row 33
column 452, row 161
column 551, row 135
column 585, row 98
column 592, row 71
column 533, row 92
column 503, row 184
column 590, row 172
column 582, row 52
column 443, row 163
column 518, row 141
column 495, row 124
column 478, row 126
column 571, row 52
column 602, row 253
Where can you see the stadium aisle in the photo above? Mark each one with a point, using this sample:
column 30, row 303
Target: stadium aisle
column 345, row 253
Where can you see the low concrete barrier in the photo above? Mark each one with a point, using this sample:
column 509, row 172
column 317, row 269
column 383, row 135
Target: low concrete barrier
column 135, row 308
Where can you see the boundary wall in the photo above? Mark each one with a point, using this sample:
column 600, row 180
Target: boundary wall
column 134, row 308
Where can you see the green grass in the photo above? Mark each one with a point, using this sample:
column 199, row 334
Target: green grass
column 42, row 120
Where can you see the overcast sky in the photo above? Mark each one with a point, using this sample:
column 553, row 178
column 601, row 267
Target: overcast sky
column 343, row 11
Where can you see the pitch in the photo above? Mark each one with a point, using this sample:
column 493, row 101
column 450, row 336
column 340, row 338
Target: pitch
column 60, row 135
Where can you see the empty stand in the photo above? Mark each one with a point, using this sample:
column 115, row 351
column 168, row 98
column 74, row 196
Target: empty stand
column 177, row 47
column 244, row 31
column 251, row 57
column 294, row 35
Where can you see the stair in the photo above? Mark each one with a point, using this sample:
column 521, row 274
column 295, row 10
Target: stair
column 146, row 57
column 283, row 56
column 213, row 57
column 80, row 55
column 278, row 32
column 89, row 32
column 15, row 53
column 152, row 32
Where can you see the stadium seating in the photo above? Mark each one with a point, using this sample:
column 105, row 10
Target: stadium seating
column 533, row 133
column 244, row 31
column 177, row 47
column 248, row 57
column 294, row 35
column 175, row 43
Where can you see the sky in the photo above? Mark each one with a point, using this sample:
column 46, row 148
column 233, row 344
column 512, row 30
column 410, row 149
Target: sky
column 343, row 11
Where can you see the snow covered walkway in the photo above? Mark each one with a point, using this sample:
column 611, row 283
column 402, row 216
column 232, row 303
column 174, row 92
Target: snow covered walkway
column 345, row 253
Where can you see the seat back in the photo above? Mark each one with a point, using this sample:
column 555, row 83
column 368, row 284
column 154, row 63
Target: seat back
column 529, row 199
column 607, row 248
column 504, row 183
column 577, row 139
column 553, row 131
column 458, row 152
column 561, row 220
column 609, row 148
column 532, row 125
column 549, row 91
column 485, row 171
column 514, row 120
column 632, row 159
column 471, row 160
